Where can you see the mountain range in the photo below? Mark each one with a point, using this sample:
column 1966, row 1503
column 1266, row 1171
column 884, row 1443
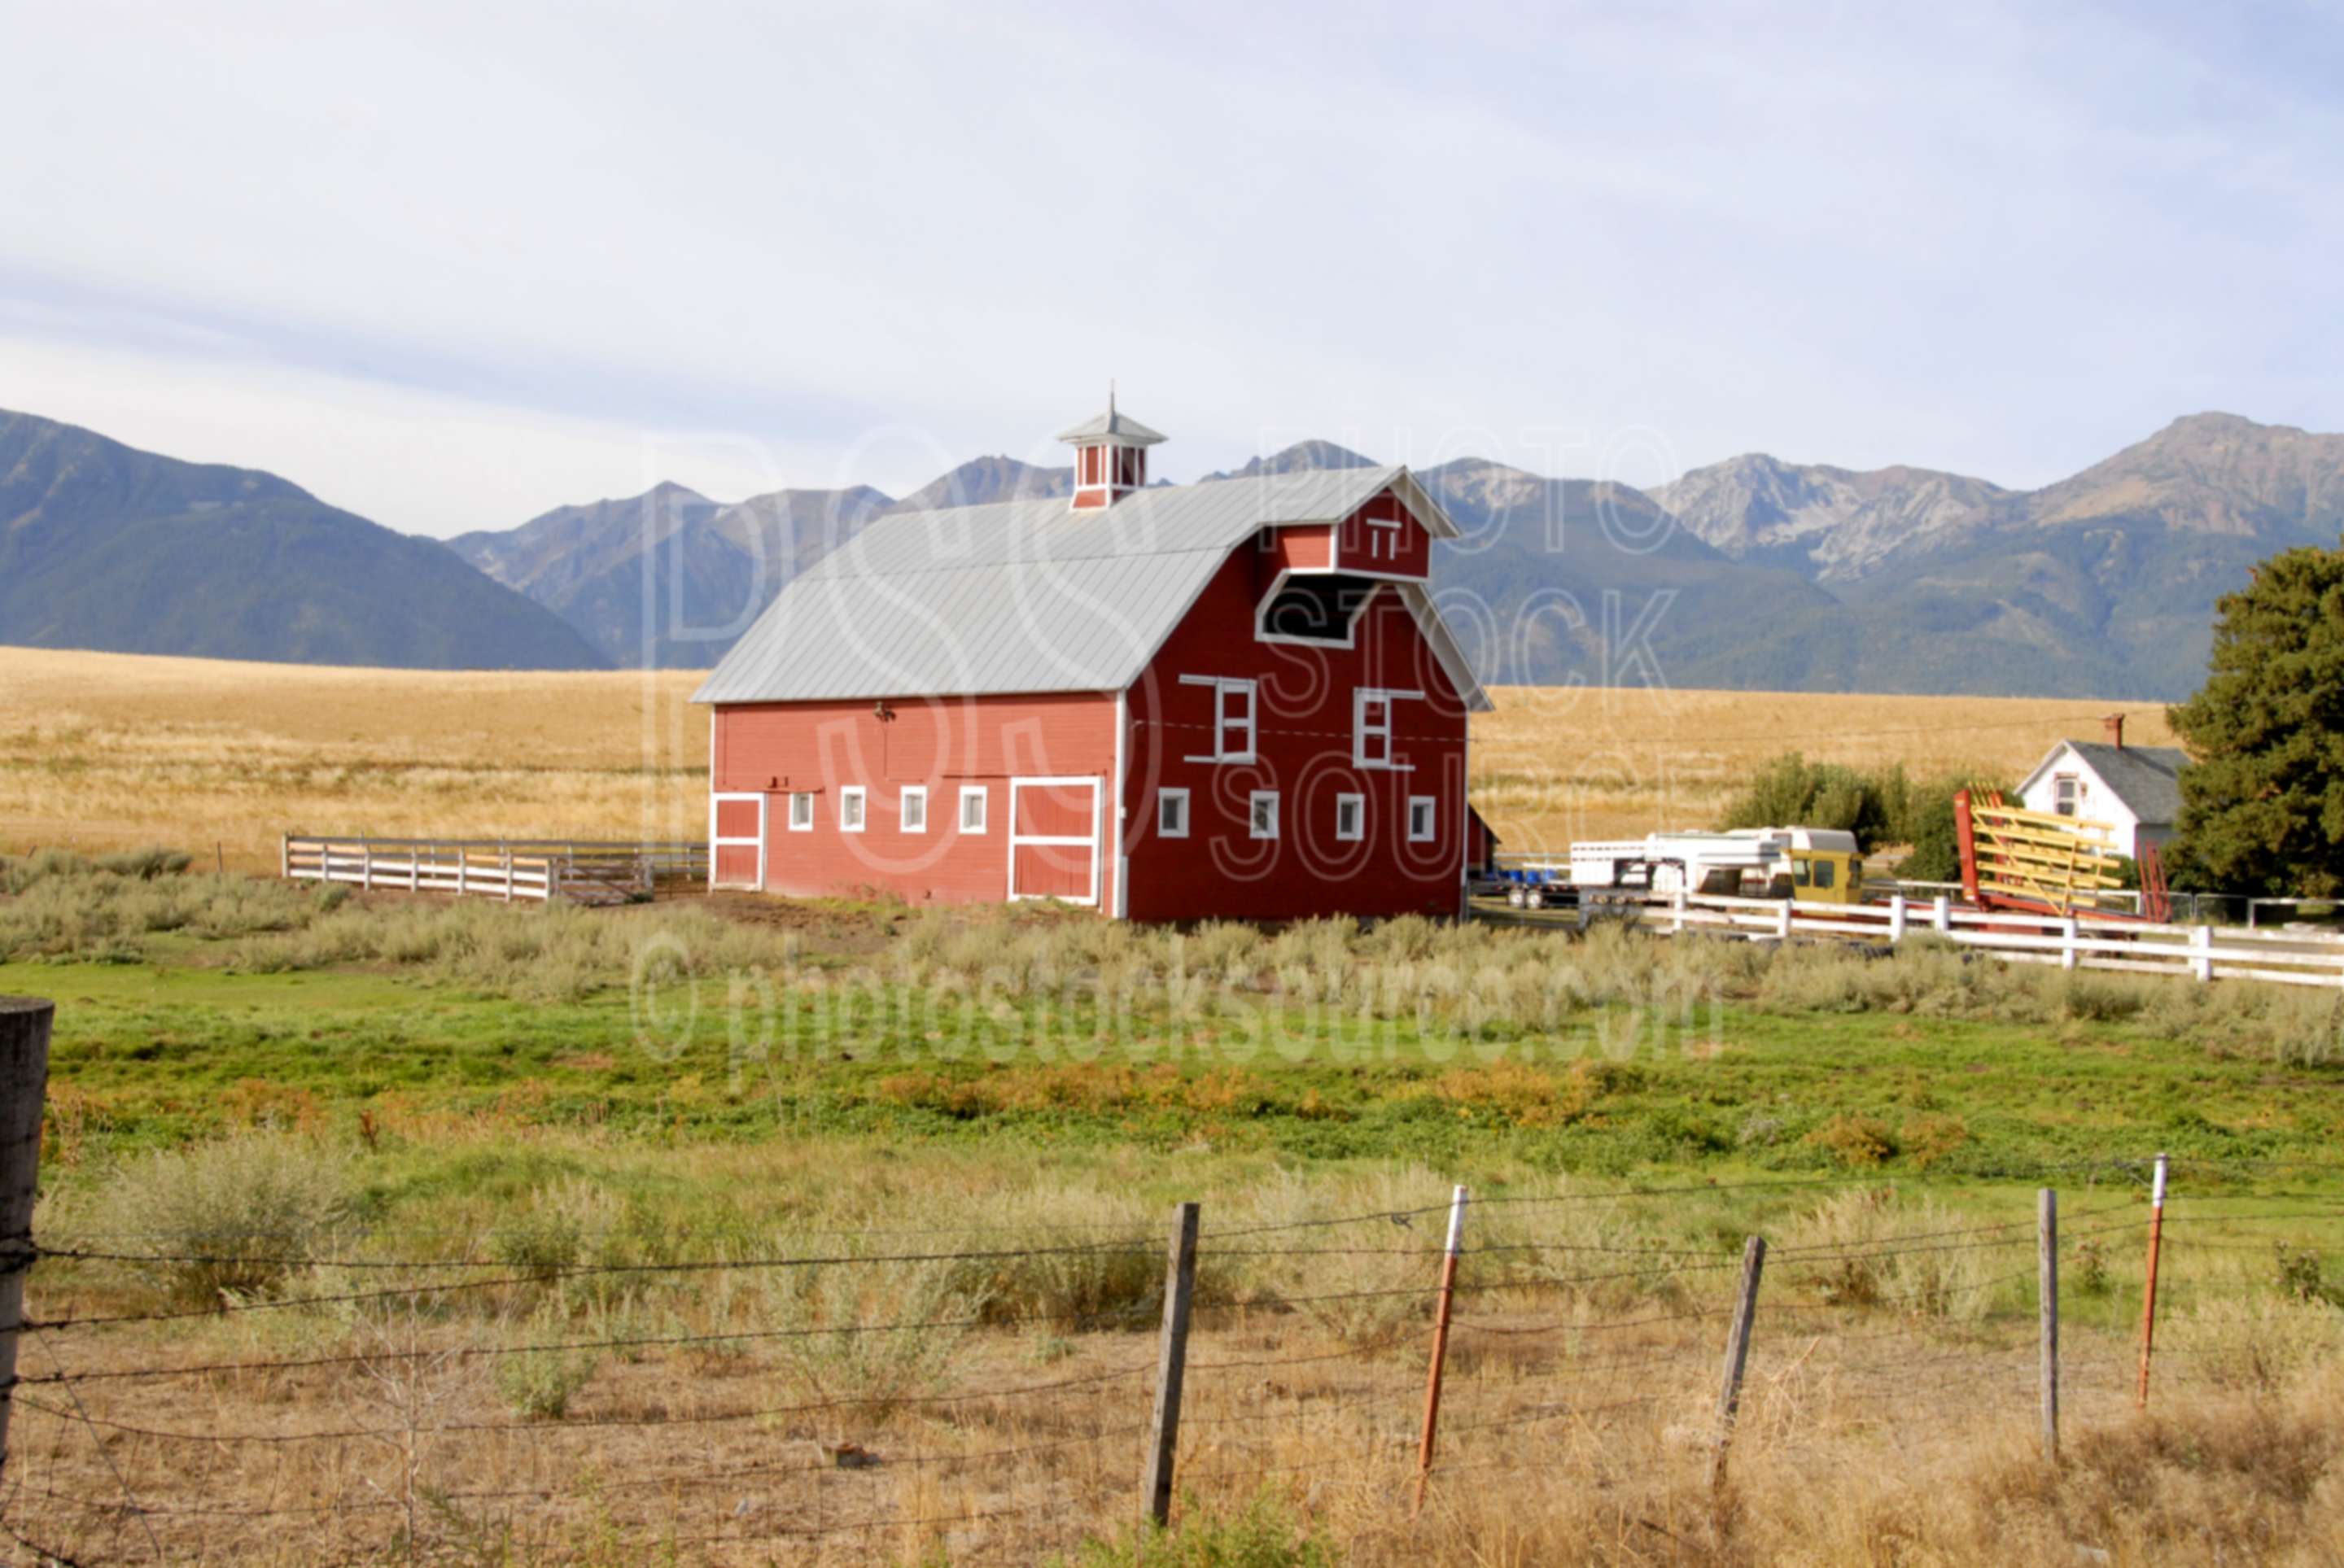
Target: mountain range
column 1751, row 573
column 105, row 546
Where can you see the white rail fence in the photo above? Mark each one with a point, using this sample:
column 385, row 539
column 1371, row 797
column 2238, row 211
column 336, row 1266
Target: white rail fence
column 583, row 870
column 2071, row 941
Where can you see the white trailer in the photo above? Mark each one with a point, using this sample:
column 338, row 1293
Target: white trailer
column 1746, row 859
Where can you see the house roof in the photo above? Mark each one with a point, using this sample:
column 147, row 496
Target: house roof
column 1034, row 596
column 2147, row 778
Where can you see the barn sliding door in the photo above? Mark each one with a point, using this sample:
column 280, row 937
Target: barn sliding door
column 1054, row 833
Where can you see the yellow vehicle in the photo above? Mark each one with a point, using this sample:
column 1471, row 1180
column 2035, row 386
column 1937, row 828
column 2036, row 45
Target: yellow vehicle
column 1821, row 876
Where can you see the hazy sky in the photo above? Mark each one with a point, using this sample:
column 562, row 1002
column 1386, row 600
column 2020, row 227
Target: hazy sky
column 450, row 266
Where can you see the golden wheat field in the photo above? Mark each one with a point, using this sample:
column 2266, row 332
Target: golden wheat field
column 107, row 750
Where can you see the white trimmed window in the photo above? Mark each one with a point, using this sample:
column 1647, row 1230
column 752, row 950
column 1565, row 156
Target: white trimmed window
column 1233, row 718
column 972, row 808
column 1350, row 818
column 802, row 811
column 1423, row 823
column 850, row 809
column 1261, row 814
column 2065, row 788
column 1371, row 726
column 1171, row 813
column 915, row 809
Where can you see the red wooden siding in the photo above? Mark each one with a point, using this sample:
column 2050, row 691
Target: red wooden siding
column 1365, row 544
column 736, row 864
column 821, row 747
column 736, row 818
column 1303, row 751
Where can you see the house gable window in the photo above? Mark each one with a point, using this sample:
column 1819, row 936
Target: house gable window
column 1371, row 726
column 2066, row 789
column 1233, row 718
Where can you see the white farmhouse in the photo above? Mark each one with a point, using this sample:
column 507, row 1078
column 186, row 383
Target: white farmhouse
column 2136, row 787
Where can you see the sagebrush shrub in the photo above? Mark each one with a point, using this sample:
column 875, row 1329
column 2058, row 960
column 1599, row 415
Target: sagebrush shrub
column 228, row 1218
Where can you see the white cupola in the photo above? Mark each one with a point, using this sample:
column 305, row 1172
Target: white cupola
column 1110, row 457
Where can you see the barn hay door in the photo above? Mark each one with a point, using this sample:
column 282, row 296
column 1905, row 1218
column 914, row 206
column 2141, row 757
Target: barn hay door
column 1054, row 833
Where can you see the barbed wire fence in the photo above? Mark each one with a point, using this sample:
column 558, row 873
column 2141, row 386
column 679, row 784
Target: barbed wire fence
column 1469, row 1342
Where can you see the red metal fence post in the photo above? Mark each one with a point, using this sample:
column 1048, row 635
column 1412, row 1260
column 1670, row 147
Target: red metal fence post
column 2149, row 1295
column 1439, row 1344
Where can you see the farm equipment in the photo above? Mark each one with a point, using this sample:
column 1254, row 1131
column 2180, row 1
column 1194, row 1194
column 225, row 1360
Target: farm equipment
column 2043, row 863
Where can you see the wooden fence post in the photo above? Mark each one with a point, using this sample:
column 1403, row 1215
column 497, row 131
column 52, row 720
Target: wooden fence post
column 24, row 1023
column 1439, row 1344
column 1942, row 914
column 1737, row 1356
column 285, row 856
column 2069, row 930
column 1895, row 917
column 2201, row 952
column 2046, row 1241
column 1171, row 1364
column 2148, row 1294
column 366, row 864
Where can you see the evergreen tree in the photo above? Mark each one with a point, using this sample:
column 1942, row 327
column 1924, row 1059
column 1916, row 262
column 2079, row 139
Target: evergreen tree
column 2262, row 803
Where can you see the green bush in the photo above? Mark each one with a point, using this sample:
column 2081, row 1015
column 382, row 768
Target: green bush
column 230, row 1218
column 1882, row 806
column 537, row 1385
column 1263, row 1535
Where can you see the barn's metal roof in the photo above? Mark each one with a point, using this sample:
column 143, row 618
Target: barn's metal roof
column 1032, row 595
column 1122, row 427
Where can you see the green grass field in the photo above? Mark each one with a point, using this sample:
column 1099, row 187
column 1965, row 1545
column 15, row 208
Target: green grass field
column 275, row 1097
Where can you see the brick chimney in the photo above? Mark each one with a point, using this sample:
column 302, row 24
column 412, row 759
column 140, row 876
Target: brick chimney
column 2114, row 725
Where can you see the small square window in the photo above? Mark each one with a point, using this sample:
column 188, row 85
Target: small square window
column 1171, row 813
column 850, row 810
column 972, row 808
column 802, row 811
column 1350, row 816
column 915, row 809
column 1423, row 826
column 1262, row 814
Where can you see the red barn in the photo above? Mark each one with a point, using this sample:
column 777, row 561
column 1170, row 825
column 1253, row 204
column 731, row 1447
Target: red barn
column 1227, row 699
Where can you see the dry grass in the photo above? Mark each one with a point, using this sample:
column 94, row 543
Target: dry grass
column 1891, row 1423
column 112, row 750
column 105, row 751
column 1551, row 765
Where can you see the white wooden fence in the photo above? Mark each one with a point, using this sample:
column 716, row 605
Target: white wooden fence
column 2071, row 941
column 584, row 871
